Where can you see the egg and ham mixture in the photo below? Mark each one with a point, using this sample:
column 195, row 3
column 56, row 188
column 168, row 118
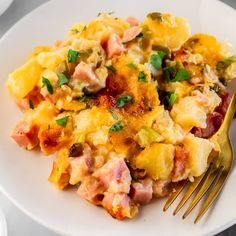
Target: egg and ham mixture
column 129, row 107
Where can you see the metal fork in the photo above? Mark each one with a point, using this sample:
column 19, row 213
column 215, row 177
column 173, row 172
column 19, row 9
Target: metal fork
column 220, row 164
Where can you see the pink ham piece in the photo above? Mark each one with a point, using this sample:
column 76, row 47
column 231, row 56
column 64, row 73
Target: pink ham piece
column 85, row 73
column 25, row 135
column 114, row 45
column 115, row 176
column 141, row 192
column 132, row 21
column 215, row 119
column 81, row 166
column 92, row 190
column 119, row 205
column 131, row 34
column 180, row 170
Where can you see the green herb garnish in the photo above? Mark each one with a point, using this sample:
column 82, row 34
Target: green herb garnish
column 47, row 82
column 72, row 55
column 222, row 65
column 31, row 104
column 113, row 114
column 123, row 100
column 142, row 77
column 62, row 79
column 131, row 65
column 62, row 121
column 156, row 59
column 75, row 31
column 111, row 68
column 181, row 75
column 116, row 127
column 171, row 98
column 171, row 74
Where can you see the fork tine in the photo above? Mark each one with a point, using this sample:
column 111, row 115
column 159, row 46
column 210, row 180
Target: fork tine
column 213, row 194
column 190, row 191
column 174, row 195
column 209, row 180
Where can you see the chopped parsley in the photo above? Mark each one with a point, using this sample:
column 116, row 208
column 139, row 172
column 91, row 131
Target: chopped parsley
column 116, row 127
column 113, row 114
column 171, row 98
column 62, row 79
column 131, row 65
column 142, row 77
column 62, row 121
column 156, row 59
column 31, row 104
column 46, row 82
column 72, row 55
column 111, row 68
column 181, row 75
column 123, row 100
column 75, row 30
column 222, row 65
column 172, row 75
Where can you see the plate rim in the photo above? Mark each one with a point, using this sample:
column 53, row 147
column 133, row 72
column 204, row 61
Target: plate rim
column 33, row 216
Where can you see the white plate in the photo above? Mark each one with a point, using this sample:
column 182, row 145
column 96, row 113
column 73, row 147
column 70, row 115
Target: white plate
column 23, row 175
column 4, row 4
column 3, row 224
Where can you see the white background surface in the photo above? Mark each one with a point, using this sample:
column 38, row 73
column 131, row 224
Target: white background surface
column 18, row 223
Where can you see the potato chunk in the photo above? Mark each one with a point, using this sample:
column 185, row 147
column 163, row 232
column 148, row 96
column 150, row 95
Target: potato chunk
column 157, row 160
column 199, row 151
column 24, row 79
column 188, row 113
column 167, row 30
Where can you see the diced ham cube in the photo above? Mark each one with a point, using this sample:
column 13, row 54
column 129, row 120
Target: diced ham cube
column 132, row 21
column 213, row 121
column 225, row 101
column 161, row 188
column 92, row 190
column 131, row 33
column 81, row 166
column 115, row 176
column 114, row 45
column 25, row 135
column 180, row 170
column 119, row 205
column 85, row 73
column 141, row 192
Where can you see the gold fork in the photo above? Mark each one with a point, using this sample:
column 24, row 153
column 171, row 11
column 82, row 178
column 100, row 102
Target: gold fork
column 215, row 176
